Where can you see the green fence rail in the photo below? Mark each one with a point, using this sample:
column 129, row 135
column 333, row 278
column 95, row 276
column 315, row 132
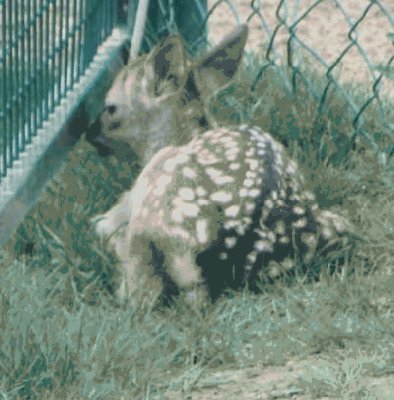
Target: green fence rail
column 46, row 46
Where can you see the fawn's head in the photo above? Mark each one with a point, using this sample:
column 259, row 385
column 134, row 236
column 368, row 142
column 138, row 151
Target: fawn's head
column 159, row 99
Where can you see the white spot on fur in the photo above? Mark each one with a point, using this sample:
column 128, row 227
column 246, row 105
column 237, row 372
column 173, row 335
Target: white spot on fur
column 221, row 197
column 205, row 157
column 251, row 257
column 161, row 185
column 170, row 164
column 301, row 223
column 314, row 207
column 291, row 168
column 231, row 144
column 263, row 245
column 176, row 215
column 280, row 228
column 223, row 256
column 327, row 233
column 243, row 192
column 202, row 202
column 186, row 194
column 249, row 207
column 223, row 180
column 261, row 233
column 248, row 182
column 232, row 157
column 269, row 203
column 232, row 211
column 298, row 210
column 309, row 196
column 230, row 242
column 273, row 270
column 271, row 236
column 250, row 152
column 202, row 230
column 234, row 166
column 190, row 209
column 201, row 191
column 309, row 239
column 232, row 151
column 288, row 263
column 253, row 163
column 231, row 224
column 213, row 172
column 189, row 173
column 254, row 193
column 225, row 139
column 240, row 229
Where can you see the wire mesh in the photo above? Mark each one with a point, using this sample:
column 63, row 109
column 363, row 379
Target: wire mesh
column 46, row 46
column 348, row 43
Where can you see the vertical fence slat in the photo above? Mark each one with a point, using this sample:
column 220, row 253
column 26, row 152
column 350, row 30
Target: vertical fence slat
column 3, row 81
column 22, row 85
column 66, row 40
column 47, row 59
column 10, row 88
column 28, row 81
column 16, row 99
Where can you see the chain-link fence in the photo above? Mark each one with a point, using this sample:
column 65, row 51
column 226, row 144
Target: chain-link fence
column 345, row 42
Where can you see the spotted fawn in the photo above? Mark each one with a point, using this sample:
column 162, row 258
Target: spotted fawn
column 221, row 206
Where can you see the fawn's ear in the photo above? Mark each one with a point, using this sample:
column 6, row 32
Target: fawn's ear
column 218, row 67
column 165, row 65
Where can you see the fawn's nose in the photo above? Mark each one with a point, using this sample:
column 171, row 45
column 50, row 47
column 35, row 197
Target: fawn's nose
column 95, row 137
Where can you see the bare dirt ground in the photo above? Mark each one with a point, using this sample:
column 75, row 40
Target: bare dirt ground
column 325, row 29
column 286, row 382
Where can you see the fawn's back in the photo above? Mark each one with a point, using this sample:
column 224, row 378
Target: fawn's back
column 222, row 206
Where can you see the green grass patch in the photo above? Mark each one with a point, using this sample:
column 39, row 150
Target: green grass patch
column 63, row 335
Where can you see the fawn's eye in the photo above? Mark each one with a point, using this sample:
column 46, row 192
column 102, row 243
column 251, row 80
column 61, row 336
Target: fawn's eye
column 111, row 109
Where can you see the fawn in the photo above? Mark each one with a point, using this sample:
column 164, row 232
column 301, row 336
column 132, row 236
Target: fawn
column 220, row 205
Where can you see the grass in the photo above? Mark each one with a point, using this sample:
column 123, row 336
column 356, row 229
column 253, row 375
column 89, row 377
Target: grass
column 63, row 336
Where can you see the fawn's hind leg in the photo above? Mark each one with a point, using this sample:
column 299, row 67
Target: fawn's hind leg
column 183, row 270
column 135, row 265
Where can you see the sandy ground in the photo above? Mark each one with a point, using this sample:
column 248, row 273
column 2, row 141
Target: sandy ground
column 290, row 381
column 324, row 29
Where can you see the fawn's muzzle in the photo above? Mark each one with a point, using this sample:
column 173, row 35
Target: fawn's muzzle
column 95, row 137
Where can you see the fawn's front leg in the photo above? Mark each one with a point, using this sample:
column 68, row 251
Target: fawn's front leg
column 113, row 221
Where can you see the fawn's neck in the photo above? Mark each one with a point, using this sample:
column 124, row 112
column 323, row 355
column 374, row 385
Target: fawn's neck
column 175, row 127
